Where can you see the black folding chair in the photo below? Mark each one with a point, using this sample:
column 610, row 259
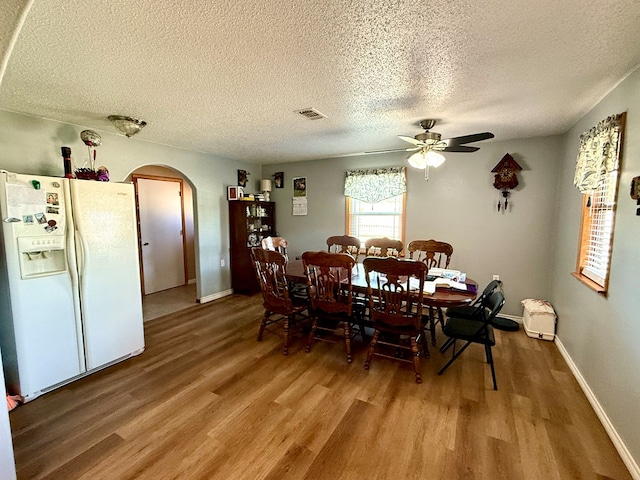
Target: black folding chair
column 474, row 311
column 472, row 330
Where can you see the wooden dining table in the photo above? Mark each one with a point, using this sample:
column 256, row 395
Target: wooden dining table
column 442, row 298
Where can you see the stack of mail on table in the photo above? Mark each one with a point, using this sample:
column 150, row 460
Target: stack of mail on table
column 446, row 278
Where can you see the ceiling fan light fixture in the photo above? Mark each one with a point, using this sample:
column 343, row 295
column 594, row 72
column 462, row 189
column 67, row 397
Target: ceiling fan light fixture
column 418, row 159
column 426, row 158
column 128, row 126
column 434, row 159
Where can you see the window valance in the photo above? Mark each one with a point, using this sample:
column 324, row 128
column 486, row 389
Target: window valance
column 375, row 184
column 598, row 153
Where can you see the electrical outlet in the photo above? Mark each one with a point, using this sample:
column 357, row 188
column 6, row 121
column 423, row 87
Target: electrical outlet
column 496, row 277
column 222, row 262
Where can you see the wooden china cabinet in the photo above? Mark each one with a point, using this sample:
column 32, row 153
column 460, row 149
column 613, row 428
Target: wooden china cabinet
column 249, row 223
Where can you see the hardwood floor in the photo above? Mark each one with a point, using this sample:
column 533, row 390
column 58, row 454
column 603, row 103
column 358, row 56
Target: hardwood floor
column 172, row 300
column 207, row 401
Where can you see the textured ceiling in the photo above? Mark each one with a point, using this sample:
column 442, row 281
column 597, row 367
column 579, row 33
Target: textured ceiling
column 225, row 77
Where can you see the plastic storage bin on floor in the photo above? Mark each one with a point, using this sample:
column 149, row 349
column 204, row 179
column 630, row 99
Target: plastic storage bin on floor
column 539, row 319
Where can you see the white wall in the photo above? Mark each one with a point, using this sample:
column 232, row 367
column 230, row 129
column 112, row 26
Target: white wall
column 456, row 205
column 32, row 145
column 600, row 334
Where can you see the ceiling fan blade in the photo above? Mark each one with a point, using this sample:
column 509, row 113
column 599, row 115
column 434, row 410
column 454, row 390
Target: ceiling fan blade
column 460, row 148
column 476, row 137
column 411, row 140
column 408, row 149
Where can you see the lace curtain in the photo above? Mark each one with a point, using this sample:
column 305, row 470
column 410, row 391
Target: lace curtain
column 375, row 184
column 598, row 153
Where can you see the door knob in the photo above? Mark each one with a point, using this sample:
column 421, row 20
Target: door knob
column 145, row 243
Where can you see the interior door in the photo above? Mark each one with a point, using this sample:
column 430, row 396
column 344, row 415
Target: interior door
column 161, row 233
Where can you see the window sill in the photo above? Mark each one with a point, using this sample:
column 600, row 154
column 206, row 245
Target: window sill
column 590, row 283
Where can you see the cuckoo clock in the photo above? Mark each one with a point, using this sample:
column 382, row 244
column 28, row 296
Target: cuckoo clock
column 506, row 179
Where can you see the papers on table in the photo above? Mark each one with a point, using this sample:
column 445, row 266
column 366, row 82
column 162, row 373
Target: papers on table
column 449, row 278
column 414, row 283
column 441, row 282
column 444, row 272
column 430, row 286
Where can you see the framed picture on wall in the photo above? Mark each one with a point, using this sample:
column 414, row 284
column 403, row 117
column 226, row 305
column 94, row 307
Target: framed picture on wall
column 242, row 178
column 234, row 192
column 278, row 179
column 300, row 187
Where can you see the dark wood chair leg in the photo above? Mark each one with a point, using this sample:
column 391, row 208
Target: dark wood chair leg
column 441, row 317
column 416, row 358
column 263, row 324
column 347, row 340
column 432, row 323
column 312, row 335
column 425, row 345
column 286, row 336
column 372, row 347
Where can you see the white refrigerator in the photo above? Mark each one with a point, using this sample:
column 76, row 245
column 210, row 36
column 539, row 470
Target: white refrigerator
column 70, row 294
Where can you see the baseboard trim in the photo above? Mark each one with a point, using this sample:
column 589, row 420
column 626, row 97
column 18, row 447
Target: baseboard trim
column 515, row 318
column 215, row 296
column 628, row 460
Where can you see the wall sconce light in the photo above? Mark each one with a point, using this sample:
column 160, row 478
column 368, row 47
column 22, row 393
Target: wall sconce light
column 127, row 125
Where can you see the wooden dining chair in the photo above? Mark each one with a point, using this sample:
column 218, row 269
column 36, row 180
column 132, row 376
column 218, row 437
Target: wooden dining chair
column 471, row 330
column 344, row 244
column 395, row 289
column 352, row 246
column 331, row 295
column 383, row 247
column 279, row 305
column 279, row 244
column 434, row 254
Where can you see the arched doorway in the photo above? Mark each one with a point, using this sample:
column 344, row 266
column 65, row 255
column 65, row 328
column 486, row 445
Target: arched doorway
column 164, row 200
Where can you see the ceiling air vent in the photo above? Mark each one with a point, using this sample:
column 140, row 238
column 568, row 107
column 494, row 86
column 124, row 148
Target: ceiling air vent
column 311, row 113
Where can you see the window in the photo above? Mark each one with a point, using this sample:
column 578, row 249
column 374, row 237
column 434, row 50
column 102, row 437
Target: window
column 597, row 177
column 375, row 201
column 598, row 212
column 382, row 219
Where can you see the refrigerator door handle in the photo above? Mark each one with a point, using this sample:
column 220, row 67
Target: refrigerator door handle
column 80, row 254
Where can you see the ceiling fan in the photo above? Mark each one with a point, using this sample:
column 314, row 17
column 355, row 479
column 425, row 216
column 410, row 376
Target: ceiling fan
column 428, row 144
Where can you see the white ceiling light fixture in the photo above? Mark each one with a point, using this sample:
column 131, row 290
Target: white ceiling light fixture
column 128, row 126
column 425, row 158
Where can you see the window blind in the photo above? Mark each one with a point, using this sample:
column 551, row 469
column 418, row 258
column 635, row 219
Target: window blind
column 370, row 220
column 600, row 229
